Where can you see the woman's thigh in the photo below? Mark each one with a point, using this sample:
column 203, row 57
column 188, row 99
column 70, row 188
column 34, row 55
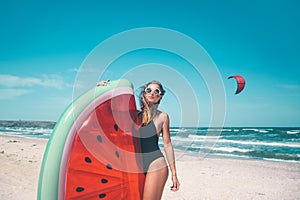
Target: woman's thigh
column 155, row 180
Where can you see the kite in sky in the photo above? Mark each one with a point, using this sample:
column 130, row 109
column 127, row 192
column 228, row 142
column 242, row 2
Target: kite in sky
column 240, row 83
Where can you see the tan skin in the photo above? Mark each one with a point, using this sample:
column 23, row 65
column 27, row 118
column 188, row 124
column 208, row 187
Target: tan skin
column 158, row 170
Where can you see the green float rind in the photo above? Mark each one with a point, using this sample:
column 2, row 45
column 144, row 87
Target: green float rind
column 50, row 168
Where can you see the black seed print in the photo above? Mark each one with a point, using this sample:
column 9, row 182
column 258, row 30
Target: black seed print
column 117, row 154
column 116, row 127
column 104, row 180
column 99, row 138
column 87, row 159
column 108, row 166
column 79, row 189
column 101, row 196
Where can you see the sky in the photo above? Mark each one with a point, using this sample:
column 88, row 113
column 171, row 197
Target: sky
column 46, row 45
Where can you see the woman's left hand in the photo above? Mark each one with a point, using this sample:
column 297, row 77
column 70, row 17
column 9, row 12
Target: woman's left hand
column 176, row 183
column 103, row 83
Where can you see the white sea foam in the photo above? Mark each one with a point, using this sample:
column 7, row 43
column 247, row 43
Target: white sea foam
column 222, row 149
column 257, row 130
column 229, row 149
column 281, row 160
column 250, row 129
column 26, row 131
column 279, row 144
column 219, row 129
column 203, row 138
column 293, row 132
column 263, row 131
column 232, row 156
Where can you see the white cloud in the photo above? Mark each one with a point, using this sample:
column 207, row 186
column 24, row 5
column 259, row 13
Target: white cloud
column 14, row 86
column 61, row 100
column 12, row 93
column 74, row 70
column 15, row 81
column 52, row 80
column 289, row 86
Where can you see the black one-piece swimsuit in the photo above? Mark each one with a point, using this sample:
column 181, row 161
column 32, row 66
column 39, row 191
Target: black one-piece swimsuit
column 149, row 145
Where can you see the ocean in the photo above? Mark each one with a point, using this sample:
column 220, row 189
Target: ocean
column 271, row 143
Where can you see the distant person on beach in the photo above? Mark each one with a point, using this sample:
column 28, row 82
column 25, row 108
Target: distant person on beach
column 153, row 124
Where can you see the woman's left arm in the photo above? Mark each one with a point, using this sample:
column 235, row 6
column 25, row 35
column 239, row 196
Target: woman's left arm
column 169, row 151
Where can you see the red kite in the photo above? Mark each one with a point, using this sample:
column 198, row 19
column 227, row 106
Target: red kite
column 240, row 81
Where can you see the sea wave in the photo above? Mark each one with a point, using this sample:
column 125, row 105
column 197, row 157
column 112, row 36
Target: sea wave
column 219, row 139
column 219, row 149
column 260, row 143
column 246, row 153
column 27, row 131
column 281, row 144
column 293, row 132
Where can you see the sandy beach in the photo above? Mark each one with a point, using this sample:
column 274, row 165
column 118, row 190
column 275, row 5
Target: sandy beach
column 207, row 178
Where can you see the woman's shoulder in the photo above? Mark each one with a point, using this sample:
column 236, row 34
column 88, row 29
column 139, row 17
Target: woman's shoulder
column 163, row 115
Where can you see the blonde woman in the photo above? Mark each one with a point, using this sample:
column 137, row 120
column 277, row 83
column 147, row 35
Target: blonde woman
column 154, row 124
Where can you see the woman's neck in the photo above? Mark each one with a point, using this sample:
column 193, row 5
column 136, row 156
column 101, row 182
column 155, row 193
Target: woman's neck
column 153, row 110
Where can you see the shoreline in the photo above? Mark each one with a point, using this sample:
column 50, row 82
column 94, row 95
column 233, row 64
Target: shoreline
column 200, row 178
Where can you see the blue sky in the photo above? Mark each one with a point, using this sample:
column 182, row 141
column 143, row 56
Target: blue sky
column 44, row 43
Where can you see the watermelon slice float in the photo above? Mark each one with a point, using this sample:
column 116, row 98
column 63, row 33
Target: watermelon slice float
column 93, row 152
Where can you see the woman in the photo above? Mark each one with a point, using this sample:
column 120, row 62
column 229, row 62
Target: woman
column 154, row 123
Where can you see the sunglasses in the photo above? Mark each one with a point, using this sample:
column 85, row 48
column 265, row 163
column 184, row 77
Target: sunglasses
column 156, row 91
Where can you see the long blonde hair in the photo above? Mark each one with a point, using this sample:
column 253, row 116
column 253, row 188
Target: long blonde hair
column 146, row 113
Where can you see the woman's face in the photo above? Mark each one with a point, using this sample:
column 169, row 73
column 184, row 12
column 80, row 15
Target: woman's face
column 152, row 93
